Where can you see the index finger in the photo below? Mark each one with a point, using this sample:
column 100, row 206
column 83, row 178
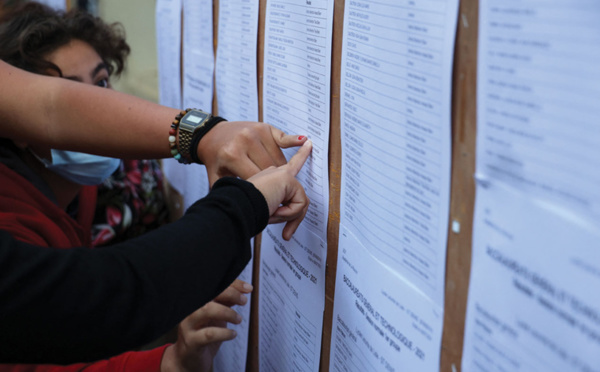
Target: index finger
column 298, row 160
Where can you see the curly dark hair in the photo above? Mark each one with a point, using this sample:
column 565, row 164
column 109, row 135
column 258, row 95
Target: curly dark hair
column 32, row 30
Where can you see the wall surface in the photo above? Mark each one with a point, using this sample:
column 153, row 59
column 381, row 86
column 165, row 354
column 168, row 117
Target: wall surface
column 137, row 16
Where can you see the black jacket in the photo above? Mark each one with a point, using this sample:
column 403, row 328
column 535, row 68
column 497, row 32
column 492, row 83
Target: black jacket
column 74, row 305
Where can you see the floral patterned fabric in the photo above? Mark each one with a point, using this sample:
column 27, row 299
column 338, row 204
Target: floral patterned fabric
column 129, row 203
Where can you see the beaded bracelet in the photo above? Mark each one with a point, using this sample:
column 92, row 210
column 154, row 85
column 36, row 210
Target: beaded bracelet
column 173, row 137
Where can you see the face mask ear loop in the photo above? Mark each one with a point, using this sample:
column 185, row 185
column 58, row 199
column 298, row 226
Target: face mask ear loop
column 46, row 162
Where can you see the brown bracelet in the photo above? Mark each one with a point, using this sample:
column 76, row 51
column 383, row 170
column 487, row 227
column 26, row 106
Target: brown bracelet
column 173, row 143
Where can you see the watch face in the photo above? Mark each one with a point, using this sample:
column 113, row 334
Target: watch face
column 193, row 119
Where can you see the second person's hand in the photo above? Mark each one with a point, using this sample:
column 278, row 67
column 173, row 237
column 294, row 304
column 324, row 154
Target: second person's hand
column 285, row 196
column 201, row 334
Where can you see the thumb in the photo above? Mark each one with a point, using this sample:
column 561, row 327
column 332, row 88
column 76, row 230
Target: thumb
column 287, row 140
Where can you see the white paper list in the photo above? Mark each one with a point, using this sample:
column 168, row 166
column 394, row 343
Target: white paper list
column 536, row 262
column 395, row 125
column 191, row 181
column 237, row 95
column 538, row 94
column 374, row 327
column 534, row 303
column 236, row 70
column 232, row 355
column 168, row 40
column 297, row 74
column 198, row 55
column 168, row 47
column 292, row 300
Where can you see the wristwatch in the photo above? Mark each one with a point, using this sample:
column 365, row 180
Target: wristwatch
column 194, row 121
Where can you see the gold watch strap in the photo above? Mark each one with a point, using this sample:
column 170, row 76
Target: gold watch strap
column 185, row 139
column 185, row 136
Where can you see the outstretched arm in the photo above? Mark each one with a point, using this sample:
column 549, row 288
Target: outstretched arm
column 47, row 296
column 68, row 115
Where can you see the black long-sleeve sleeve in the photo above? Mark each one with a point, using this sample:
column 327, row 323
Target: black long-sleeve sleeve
column 80, row 304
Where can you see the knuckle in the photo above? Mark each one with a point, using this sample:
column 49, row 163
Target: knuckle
column 209, row 334
column 249, row 132
column 201, row 313
column 228, row 152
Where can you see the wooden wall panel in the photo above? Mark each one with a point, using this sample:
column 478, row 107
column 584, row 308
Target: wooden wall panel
column 252, row 362
column 462, row 196
column 462, row 185
column 335, row 167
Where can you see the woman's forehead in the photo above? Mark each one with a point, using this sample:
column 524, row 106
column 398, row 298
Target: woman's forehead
column 76, row 58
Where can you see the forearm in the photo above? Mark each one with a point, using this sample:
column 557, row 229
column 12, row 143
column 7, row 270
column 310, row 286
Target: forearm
column 88, row 304
column 65, row 114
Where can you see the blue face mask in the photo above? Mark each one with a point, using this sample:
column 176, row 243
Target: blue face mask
column 79, row 167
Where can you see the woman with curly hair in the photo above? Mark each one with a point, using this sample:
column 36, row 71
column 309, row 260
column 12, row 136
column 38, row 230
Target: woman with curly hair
column 131, row 201
column 43, row 182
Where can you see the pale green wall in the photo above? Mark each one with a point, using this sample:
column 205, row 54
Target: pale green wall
column 137, row 16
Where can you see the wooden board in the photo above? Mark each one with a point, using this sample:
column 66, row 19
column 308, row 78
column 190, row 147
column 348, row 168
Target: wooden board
column 462, row 186
column 462, row 195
